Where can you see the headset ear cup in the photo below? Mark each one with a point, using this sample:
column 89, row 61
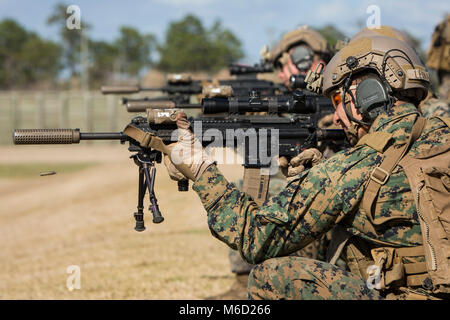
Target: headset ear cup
column 372, row 98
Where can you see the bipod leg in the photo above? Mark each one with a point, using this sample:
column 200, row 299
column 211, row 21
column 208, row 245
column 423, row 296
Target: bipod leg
column 139, row 215
column 150, row 181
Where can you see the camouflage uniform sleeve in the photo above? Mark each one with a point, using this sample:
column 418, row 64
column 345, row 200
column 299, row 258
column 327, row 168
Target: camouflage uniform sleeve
column 302, row 212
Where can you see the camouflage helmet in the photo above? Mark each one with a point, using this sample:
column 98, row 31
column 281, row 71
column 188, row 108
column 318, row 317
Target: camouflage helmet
column 390, row 58
column 387, row 31
column 303, row 34
column 438, row 55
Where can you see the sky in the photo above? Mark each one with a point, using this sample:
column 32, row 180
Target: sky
column 255, row 22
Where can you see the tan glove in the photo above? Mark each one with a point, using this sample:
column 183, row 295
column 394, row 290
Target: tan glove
column 299, row 162
column 174, row 173
column 185, row 158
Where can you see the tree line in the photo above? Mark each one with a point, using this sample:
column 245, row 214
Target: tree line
column 29, row 61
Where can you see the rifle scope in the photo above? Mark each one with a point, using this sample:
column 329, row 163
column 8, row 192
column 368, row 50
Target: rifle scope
column 297, row 103
column 239, row 69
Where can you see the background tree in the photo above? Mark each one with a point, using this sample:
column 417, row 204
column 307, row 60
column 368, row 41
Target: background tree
column 25, row 58
column 12, row 37
column 104, row 58
column 134, row 50
column 225, row 46
column 188, row 46
column 41, row 59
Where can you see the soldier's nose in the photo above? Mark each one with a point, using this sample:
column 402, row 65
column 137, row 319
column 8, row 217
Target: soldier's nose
column 280, row 75
column 336, row 119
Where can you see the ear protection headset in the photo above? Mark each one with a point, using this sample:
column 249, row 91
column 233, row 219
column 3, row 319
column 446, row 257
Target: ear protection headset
column 302, row 56
column 372, row 98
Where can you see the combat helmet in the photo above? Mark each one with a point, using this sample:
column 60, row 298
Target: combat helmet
column 393, row 60
column 313, row 39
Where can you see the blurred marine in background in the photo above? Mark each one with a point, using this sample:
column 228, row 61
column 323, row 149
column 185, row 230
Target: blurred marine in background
column 438, row 58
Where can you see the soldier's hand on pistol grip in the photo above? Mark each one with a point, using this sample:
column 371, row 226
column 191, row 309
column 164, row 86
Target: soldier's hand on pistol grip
column 187, row 158
column 300, row 162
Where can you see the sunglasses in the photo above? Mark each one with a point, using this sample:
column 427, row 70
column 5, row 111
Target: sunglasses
column 336, row 98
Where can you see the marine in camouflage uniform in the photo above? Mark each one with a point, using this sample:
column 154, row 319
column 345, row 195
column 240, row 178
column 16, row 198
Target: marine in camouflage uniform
column 310, row 206
column 334, row 192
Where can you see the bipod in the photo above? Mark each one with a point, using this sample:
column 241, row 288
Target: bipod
column 147, row 174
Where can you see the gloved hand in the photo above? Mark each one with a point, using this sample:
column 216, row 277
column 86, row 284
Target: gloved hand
column 185, row 158
column 298, row 163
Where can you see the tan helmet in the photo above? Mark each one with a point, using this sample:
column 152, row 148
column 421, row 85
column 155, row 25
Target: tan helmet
column 438, row 55
column 304, row 34
column 402, row 70
column 387, row 31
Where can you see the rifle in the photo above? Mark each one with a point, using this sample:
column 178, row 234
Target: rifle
column 246, row 73
column 182, row 84
column 295, row 133
column 193, row 88
column 240, row 87
column 134, row 105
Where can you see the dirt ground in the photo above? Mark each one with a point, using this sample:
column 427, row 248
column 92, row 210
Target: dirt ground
column 85, row 218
